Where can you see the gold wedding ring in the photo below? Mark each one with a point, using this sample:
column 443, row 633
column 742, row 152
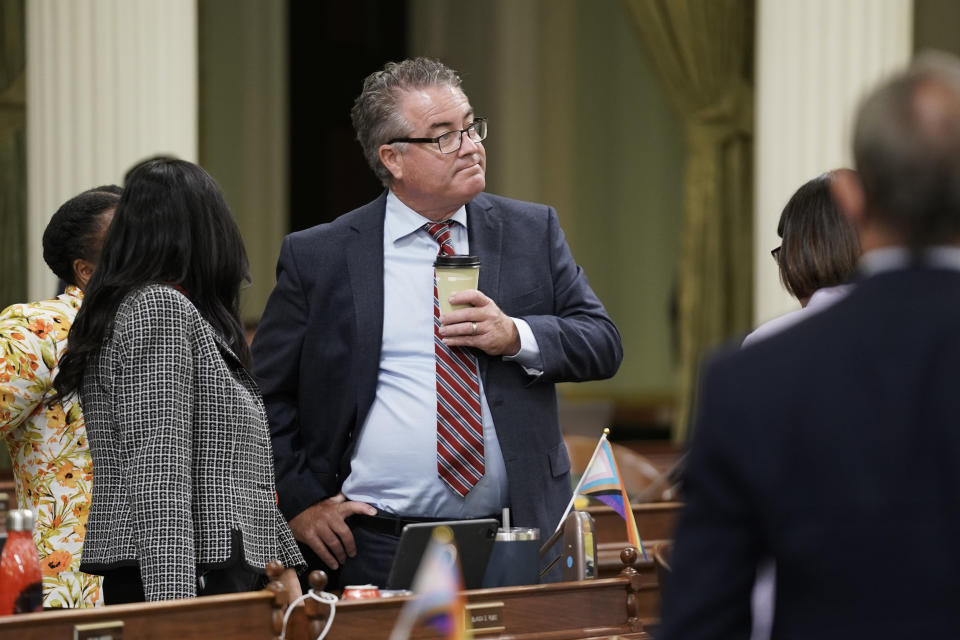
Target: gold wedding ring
column 474, row 329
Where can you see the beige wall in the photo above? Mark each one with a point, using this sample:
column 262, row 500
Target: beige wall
column 936, row 25
column 243, row 126
column 578, row 121
column 112, row 82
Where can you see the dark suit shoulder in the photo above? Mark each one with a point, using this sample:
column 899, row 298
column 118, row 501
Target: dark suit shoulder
column 361, row 218
column 493, row 201
column 882, row 325
column 906, row 304
column 517, row 218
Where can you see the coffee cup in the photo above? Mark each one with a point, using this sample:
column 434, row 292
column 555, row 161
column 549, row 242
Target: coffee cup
column 454, row 274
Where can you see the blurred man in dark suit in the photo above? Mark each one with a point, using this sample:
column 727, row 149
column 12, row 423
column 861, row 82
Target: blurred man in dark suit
column 834, row 447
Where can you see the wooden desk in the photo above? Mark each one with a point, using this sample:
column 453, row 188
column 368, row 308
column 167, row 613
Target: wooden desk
column 655, row 523
column 566, row 611
column 562, row 611
column 242, row 616
column 620, row 606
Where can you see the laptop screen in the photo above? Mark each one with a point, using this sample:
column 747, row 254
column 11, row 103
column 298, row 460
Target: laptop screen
column 474, row 540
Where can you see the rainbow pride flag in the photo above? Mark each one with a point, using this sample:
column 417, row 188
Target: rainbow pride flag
column 438, row 589
column 602, row 480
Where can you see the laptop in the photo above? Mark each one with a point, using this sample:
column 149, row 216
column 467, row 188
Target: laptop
column 474, row 540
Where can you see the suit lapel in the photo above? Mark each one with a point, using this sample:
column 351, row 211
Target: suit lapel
column 365, row 265
column 485, row 233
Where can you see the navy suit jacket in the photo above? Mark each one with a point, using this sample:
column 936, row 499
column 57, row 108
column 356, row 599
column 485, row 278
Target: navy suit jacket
column 317, row 349
column 833, row 448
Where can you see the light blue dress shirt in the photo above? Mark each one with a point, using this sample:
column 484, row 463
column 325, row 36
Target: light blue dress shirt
column 394, row 464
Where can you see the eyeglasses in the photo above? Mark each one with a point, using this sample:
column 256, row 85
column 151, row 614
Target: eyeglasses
column 452, row 140
column 776, row 254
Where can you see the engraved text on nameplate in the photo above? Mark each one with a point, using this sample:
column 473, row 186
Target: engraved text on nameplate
column 485, row 616
column 99, row 631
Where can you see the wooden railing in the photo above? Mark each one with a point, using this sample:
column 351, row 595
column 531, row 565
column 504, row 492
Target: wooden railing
column 614, row 607
column 655, row 522
column 622, row 603
column 622, row 606
column 242, row 616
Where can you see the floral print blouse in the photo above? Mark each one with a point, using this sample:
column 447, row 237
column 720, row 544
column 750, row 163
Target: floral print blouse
column 52, row 468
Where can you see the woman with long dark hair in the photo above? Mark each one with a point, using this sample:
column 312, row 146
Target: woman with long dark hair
column 183, row 491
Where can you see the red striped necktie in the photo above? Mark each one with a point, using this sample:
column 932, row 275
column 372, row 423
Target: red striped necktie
column 459, row 425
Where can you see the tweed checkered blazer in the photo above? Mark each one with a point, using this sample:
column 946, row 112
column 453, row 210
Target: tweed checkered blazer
column 181, row 451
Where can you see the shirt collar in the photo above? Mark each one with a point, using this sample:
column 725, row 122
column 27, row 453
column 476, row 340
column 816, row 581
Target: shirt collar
column 401, row 220
column 892, row 258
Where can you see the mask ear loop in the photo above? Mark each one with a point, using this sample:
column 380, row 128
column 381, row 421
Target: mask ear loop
column 326, row 598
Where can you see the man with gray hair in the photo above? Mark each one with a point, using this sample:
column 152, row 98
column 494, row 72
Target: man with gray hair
column 834, row 447
column 384, row 411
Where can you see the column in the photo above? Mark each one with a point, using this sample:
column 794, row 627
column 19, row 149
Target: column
column 111, row 82
column 815, row 60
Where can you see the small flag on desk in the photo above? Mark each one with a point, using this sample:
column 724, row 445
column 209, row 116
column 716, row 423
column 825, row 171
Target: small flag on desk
column 602, row 480
column 438, row 599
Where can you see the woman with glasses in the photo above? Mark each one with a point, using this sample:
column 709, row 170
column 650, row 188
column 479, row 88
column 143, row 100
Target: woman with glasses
column 817, row 256
column 183, row 493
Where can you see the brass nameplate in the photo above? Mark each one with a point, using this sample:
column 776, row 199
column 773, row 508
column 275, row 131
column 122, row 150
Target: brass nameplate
column 99, row 631
column 485, row 617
